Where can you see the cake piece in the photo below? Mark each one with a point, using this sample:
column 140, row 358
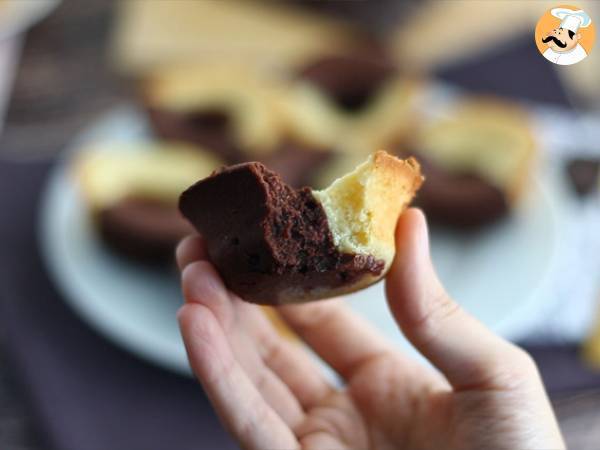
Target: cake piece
column 225, row 108
column 273, row 244
column 131, row 191
column 477, row 160
column 237, row 113
column 461, row 200
column 353, row 101
column 142, row 229
column 358, row 96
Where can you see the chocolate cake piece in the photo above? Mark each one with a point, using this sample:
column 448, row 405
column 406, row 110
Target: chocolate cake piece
column 458, row 199
column 143, row 229
column 462, row 200
column 131, row 191
column 258, row 227
column 477, row 159
column 273, row 244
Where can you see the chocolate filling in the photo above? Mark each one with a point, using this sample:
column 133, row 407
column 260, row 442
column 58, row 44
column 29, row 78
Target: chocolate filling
column 269, row 241
column 143, row 229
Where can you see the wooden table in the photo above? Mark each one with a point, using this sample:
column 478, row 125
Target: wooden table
column 64, row 82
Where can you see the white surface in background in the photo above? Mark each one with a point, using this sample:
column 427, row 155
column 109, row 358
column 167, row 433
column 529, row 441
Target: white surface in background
column 501, row 275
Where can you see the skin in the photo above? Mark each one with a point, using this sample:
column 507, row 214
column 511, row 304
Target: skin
column 563, row 36
column 269, row 394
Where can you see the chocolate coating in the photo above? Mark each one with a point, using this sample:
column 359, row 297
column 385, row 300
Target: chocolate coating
column 460, row 200
column 352, row 79
column 143, row 230
column 271, row 243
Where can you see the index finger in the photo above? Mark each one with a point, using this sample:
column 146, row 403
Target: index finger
column 237, row 401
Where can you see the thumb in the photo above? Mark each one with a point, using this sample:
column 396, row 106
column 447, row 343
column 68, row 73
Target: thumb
column 460, row 346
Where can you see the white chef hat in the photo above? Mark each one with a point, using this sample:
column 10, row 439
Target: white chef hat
column 571, row 19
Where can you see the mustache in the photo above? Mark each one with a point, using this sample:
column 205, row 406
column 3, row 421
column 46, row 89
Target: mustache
column 556, row 41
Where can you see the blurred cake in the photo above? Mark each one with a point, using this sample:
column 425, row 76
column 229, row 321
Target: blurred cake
column 151, row 34
column 351, row 79
column 237, row 113
column 351, row 102
column 131, row 190
column 389, row 121
column 227, row 109
column 477, row 160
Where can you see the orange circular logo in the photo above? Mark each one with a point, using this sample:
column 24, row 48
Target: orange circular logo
column 565, row 35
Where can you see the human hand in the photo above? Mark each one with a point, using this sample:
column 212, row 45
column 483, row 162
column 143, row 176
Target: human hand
column 270, row 395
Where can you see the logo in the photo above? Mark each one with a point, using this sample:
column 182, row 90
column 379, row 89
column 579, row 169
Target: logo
column 565, row 35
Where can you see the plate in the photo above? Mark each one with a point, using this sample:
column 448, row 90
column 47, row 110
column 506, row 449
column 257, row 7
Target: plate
column 500, row 275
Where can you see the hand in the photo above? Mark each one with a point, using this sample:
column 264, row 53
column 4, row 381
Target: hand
column 270, row 395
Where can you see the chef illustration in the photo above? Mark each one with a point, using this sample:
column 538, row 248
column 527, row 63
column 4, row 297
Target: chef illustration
column 563, row 43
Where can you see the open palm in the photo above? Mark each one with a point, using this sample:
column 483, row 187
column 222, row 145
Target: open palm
column 270, row 394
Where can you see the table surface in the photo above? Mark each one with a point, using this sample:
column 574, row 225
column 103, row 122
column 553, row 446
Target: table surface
column 63, row 83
